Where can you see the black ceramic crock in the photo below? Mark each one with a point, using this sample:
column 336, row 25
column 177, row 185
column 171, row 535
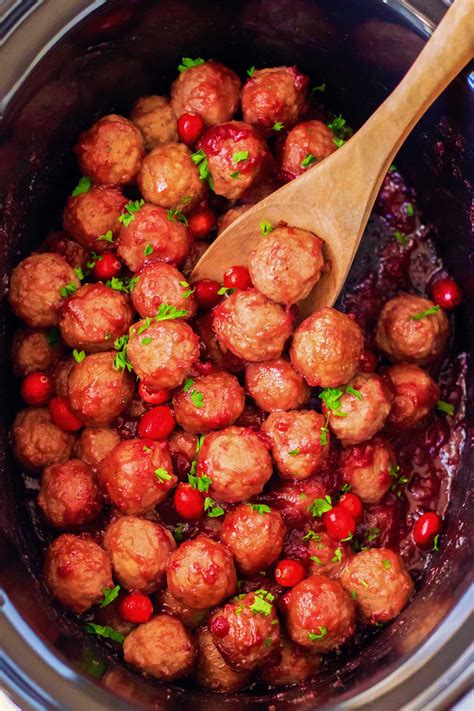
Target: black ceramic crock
column 64, row 65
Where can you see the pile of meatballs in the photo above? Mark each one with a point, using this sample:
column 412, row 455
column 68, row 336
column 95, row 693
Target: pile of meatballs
column 224, row 395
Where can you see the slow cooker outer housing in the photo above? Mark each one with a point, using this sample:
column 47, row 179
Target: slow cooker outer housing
column 101, row 57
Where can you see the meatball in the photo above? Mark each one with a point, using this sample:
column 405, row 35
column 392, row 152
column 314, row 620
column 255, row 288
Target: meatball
column 320, row 614
column 93, row 215
column 77, row 571
column 310, row 138
column 273, row 95
column 152, row 233
column 170, row 179
column 137, row 474
column 161, row 648
column 97, row 392
column 166, row 359
column 255, row 535
column 210, row 402
column 61, row 376
column 246, row 631
column 326, row 348
column 156, row 120
column 299, row 442
column 34, row 350
column 95, row 443
column 294, row 666
column 210, row 90
column 110, row 152
column 275, row 385
column 94, row 317
column 69, row 495
column 201, row 573
column 160, row 283
column 327, row 555
column 238, row 463
column 212, row 671
column 380, row 583
column 139, row 551
column 286, row 264
column 74, row 254
column 251, row 326
column 230, row 216
column 37, row 443
column 367, row 469
column 39, row 286
column 416, row 394
column 214, row 350
column 237, row 157
column 189, row 616
column 405, row 333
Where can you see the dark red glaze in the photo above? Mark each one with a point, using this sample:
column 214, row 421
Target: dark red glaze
column 289, row 573
column 188, row 502
column 367, row 362
column 301, row 80
column 426, row 528
column 339, row 523
column 446, row 293
column 37, row 389
column 136, row 608
column 206, row 293
column 107, row 266
column 201, row 222
column 157, row 423
column 353, row 505
column 190, row 128
column 237, row 278
column 62, row 415
column 152, row 396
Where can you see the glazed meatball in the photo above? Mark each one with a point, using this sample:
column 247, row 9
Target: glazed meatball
column 94, row 317
column 255, row 535
column 212, row 671
column 275, row 385
column 37, row 443
column 170, row 179
column 380, row 582
column 77, row 571
column 251, row 326
column 310, row 138
column 38, row 288
column 156, row 120
column 320, row 614
column 276, row 94
column 74, row 254
column 215, row 351
column 286, row 264
column 97, row 392
column 210, row 402
column 405, row 334
column 152, row 232
column 165, row 361
column 161, row 648
column 246, row 631
column 137, row 474
column 139, row 551
column 299, row 442
column 326, row 348
column 294, row 499
column 189, row 616
column 110, row 152
column 237, row 157
column 69, row 495
column 61, row 376
column 238, row 463
column 34, row 350
column 160, row 283
column 294, row 666
column 201, row 573
column 210, row 90
column 327, row 555
column 92, row 215
column 366, row 468
column 416, row 394
column 230, row 216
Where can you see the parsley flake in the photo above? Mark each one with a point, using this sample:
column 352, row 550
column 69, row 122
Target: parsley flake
column 445, row 407
column 268, row 642
column 146, row 341
column 110, row 594
column 386, row 564
column 331, row 397
column 107, row 237
column 260, row 508
column 240, row 156
column 225, row 291
column 364, row 583
column 251, row 71
column 178, row 532
column 320, row 87
column 68, row 289
column 392, row 168
column 266, row 228
column 294, row 452
column 278, row 126
column 148, row 250
column 131, row 208
column 427, row 312
column 436, row 542
column 201, row 483
column 311, row 535
column 83, row 186
column 121, row 361
column 346, row 488
column 409, row 209
column 320, row 506
column 211, row 508
column 78, row 355
column 309, row 159
column 354, row 392
column 401, row 238
column 353, row 595
column 316, row 559
column 323, row 433
column 235, row 174
column 177, row 215
column 79, row 273
column 147, row 449
column 239, row 609
column 372, row 534
column 337, row 556
column 126, row 284
column 197, row 398
column 105, row 631
column 200, row 159
column 262, row 604
column 166, row 313
column 187, row 63
column 340, row 131
column 312, row 636
column 162, row 474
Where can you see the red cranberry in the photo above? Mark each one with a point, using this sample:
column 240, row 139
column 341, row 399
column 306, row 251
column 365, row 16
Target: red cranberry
column 219, row 626
column 426, row 528
column 157, row 423
column 206, row 293
column 37, row 389
column 289, row 572
column 353, row 505
column 107, row 267
column 153, row 397
column 200, row 223
column 339, row 523
column 188, row 502
column 446, row 293
column 190, row 128
column 136, row 608
column 237, row 278
column 367, row 362
column 62, row 415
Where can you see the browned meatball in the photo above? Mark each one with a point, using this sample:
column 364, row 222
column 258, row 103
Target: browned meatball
column 95, row 442
column 39, row 286
column 61, row 375
column 326, row 348
column 379, row 582
column 94, row 215
column 237, row 461
column 405, row 333
column 151, row 233
column 170, row 179
column 77, row 571
column 299, row 442
column 251, row 326
column 294, row 666
column 255, row 535
column 230, row 216
column 275, row 385
column 161, row 648
column 34, row 350
column 111, row 150
column 94, row 317
column 139, row 551
column 214, row 350
column 201, row 573
column 156, row 120
column 166, row 359
column 286, row 264
column 189, row 616
column 37, row 443
column 74, row 254
column 69, row 495
column 160, row 283
column 210, row 90
column 320, row 614
column 306, row 145
column 367, row 469
column 276, row 94
column 212, row 671
column 327, row 555
column 137, row 474
column 97, row 392
column 416, row 394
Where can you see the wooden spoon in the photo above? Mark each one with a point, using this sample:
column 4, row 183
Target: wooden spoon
column 334, row 198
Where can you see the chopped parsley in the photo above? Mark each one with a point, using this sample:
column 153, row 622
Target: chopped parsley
column 121, row 361
column 201, row 483
column 95, row 258
column 189, row 291
column 392, row 168
column 386, row 564
column 225, row 291
column 346, row 488
column 235, row 174
column 147, row 449
column 78, row 355
column 105, row 631
column 166, row 312
column 107, row 237
column 409, row 210
column 197, row 398
column 339, row 142
column 309, row 159
column 311, row 536
column 436, row 542
column 148, row 250
column 278, row 126
column 131, row 208
column 372, row 534
column 83, row 186
column 260, row 508
column 262, row 604
column 354, row 392
column 239, row 609
column 266, row 228
column 68, row 289
column 177, row 215
column 401, row 238
column 294, row 452
column 146, row 341
column 353, row 595
column 316, row 559
column 312, row 636
column 364, row 583
column 331, row 397
column 251, row 71
column 110, row 594
column 187, row 63
column 427, row 312
column 268, row 642
column 211, row 508
column 320, row 87
column 337, row 556
column 323, row 433
column 240, row 156
column 445, row 407
column 178, row 532
column 126, row 284
column 200, row 159
column 340, row 131
column 162, row 474
column 79, row 273
column 320, row 506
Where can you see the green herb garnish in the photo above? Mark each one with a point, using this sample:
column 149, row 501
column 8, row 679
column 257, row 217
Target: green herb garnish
column 312, row 636
column 78, row 355
column 105, row 631
column 266, row 228
column 187, row 63
column 110, row 594
column 445, row 407
column 83, row 186
column 131, row 208
column 67, row 290
column 320, row 506
column 309, row 159
column 162, row 474
column 260, row 508
column 427, row 312
column 211, row 508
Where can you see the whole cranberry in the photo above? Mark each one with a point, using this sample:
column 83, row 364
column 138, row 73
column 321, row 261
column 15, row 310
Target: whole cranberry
column 153, row 397
column 237, row 278
column 190, row 128
column 188, row 502
column 206, row 293
column 339, row 523
column 201, row 222
column 426, row 528
column 106, row 267
column 219, row 626
column 157, row 423
column 136, row 608
column 353, row 505
column 289, row 572
column 62, row 415
column 37, row 389
column 446, row 293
